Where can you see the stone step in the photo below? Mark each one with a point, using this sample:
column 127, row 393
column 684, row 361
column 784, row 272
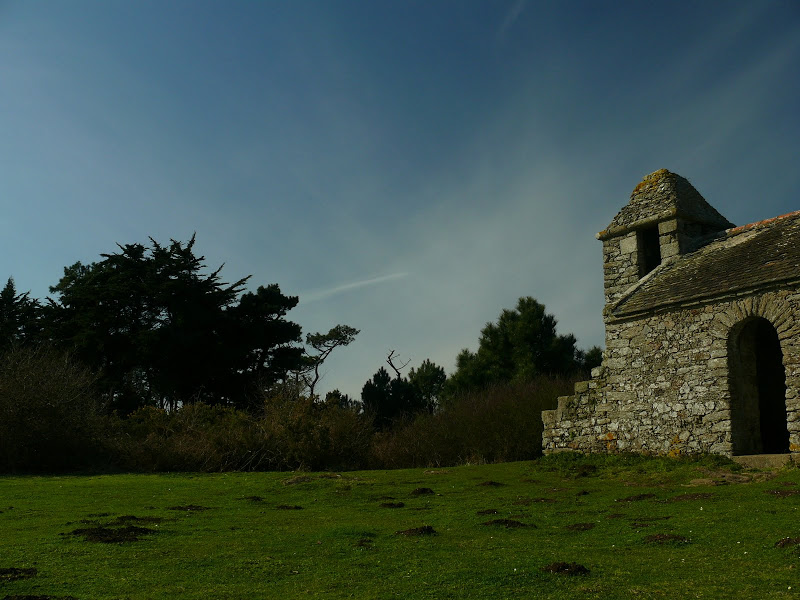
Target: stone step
column 765, row 461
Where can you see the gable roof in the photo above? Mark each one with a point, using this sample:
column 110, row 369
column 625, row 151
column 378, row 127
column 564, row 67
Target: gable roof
column 737, row 260
column 663, row 195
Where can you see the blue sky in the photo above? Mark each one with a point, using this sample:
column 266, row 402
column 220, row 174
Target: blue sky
column 407, row 168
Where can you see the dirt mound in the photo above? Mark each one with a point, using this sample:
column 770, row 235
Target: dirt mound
column 392, row 504
column 636, row 498
column 783, row 493
column 581, row 526
column 487, row 511
column 666, row 538
column 507, row 523
column 126, row 519
column 491, row 484
column 422, row 491
column 110, row 535
column 15, row 574
column 189, row 508
column 288, row 507
column 787, row 542
column 564, row 568
column 424, row 530
column 297, row 479
column 697, row 496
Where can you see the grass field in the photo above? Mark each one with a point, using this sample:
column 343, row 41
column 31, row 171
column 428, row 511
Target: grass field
column 643, row 528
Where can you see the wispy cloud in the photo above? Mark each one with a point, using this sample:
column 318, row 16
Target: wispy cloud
column 346, row 287
column 512, row 15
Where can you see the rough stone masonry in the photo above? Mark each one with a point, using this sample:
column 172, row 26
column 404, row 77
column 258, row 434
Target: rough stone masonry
column 702, row 341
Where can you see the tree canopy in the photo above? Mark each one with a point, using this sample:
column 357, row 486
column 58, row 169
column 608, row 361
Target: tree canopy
column 19, row 316
column 163, row 332
column 522, row 343
column 323, row 344
column 387, row 399
column 428, row 381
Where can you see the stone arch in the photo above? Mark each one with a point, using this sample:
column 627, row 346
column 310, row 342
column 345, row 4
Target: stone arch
column 757, row 386
column 770, row 306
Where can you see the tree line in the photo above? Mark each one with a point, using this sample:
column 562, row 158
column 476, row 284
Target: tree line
column 150, row 328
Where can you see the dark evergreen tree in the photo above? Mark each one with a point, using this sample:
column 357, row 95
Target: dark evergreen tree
column 377, row 400
column 388, row 399
column 20, row 317
column 162, row 332
column 591, row 358
column 522, row 343
column 429, row 382
column 343, row 401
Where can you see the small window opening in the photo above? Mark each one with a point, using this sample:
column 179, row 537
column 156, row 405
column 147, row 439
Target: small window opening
column 649, row 250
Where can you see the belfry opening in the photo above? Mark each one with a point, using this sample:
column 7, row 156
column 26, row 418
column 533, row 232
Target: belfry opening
column 758, row 389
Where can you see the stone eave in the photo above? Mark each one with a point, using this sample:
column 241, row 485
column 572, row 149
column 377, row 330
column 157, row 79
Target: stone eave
column 666, row 215
column 699, row 300
column 612, row 232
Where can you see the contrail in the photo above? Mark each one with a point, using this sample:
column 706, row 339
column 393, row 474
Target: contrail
column 511, row 16
column 327, row 293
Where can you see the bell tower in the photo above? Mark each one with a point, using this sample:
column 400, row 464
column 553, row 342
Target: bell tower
column 665, row 218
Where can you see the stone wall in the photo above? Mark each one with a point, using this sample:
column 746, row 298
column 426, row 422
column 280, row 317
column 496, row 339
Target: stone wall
column 620, row 265
column 664, row 384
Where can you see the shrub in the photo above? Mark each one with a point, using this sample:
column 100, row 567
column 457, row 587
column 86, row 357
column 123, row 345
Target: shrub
column 500, row 423
column 317, row 436
column 197, row 437
column 48, row 411
column 293, row 433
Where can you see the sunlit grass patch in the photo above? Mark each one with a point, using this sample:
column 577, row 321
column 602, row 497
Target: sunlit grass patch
column 640, row 527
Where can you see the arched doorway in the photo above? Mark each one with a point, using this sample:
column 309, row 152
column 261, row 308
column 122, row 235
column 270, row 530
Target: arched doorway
column 758, row 389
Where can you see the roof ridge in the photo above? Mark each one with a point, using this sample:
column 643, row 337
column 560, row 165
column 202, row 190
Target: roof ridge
column 748, row 226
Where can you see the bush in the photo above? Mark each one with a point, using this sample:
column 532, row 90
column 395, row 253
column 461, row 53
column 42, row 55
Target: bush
column 48, row 411
column 50, row 420
column 317, row 436
column 501, row 423
column 293, row 433
column 197, row 437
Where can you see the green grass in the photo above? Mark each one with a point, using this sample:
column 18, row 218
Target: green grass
column 343, row 544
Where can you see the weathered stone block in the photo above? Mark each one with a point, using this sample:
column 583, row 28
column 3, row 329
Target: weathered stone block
column 581, row 387
column 627, row 245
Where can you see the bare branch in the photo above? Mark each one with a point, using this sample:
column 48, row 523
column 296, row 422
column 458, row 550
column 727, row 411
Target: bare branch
column 391, row 363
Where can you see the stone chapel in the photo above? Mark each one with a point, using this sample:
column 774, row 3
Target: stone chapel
column 702, row 338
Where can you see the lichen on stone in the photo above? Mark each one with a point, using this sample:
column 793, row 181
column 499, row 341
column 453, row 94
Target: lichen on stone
column 651, row 179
